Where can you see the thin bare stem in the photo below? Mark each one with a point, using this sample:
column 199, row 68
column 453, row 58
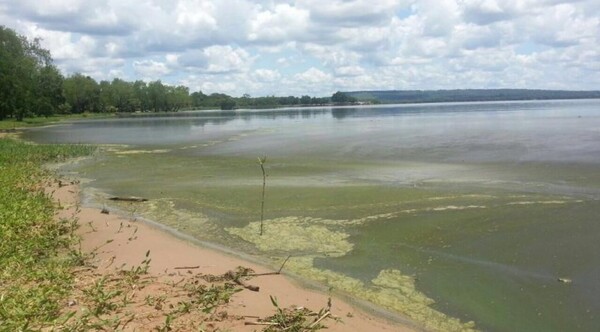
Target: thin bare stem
column 261, row 162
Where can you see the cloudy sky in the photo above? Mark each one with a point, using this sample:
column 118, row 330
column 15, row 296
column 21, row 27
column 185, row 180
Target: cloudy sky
column 317, row 47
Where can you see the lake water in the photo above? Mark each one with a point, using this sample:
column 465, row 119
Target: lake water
column 448, row 213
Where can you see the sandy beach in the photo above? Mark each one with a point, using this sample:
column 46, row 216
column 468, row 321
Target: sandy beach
column 118, row 243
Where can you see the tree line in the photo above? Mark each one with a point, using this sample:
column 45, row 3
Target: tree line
column 31, row 85
column 465, row 95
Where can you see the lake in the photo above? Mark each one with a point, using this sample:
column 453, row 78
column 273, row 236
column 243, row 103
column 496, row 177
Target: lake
column 457, row 215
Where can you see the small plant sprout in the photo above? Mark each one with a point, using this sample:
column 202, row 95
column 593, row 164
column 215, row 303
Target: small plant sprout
column 261, row 161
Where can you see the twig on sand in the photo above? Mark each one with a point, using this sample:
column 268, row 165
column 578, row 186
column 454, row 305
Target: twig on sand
column 246, row 285
column 128, row 199
column 271, row 273
column 325, row 315
column 261, row 323
column 187, row 267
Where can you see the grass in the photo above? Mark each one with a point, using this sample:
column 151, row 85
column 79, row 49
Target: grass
column 34, row 278
column 47, row 283
column 11, row 124
column 296, row 319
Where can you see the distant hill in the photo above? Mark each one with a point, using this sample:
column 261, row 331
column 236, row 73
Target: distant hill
column 433, row 96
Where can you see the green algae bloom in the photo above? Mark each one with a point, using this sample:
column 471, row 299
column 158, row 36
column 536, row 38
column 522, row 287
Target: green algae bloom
column 307, row 238
column 295, row 234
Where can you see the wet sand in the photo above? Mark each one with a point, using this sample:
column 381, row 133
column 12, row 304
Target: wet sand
column 121, row 243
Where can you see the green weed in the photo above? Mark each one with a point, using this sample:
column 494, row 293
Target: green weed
column 35, row 278
column 296, row 319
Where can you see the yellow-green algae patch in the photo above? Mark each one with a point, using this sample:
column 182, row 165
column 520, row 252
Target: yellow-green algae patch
column 165, row 211
column 544, row 202
column 390, row 289
column 295, row 234
column 307, row 238
column 125, row 152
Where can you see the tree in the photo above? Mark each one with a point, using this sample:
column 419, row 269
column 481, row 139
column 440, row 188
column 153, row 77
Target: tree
column 30, row 84
column 82, row 93
column 105, row 97
column 140, row 92
column 26, row 71
column 197, row 98
column 227, row 104
column 342, row 98
column 157, row 98
column 118, row 96
column 178, row 98
column 305, row 100
column 49, row 91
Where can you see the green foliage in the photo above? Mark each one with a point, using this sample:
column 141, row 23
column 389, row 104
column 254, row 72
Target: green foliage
column 118, row 96
column 31, row 86
column 227, row 104
column 33, row 278
column 82, row 93
column 11, row 124
column 271, row 101
column 135, row 273
column 296, row 319
column 209, row 298
column 103, row 298
column 28, row 79
column 463, row 95
column 342, row 98
column 85, row 95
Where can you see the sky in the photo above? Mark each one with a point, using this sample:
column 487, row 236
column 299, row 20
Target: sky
column 317, row 47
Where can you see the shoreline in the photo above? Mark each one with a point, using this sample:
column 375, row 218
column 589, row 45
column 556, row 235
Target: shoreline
column 119, row 242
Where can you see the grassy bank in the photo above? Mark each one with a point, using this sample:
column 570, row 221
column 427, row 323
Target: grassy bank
column 47, row 283
column 35, row 275
column 12, row 124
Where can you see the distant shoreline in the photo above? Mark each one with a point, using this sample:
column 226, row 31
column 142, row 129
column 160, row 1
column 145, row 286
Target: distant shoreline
column 13, row 126
column 467, row 95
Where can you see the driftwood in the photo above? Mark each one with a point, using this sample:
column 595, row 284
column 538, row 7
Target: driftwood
column 128, row 199
column 246, row 285
column 187, row 267
column 263, row 274
column 309, row 327
column 261, row 323
column 270, row 273
column 319, row 320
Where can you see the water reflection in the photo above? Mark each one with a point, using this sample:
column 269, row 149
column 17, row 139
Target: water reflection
column 461, row 132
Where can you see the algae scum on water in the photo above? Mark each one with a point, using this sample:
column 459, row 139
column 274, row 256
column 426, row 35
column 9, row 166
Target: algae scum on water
column 307, row 238
column 447, row 217
column 197, row 203
column 382, row 244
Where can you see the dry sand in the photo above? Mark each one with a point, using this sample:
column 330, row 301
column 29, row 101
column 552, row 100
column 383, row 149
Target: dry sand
column 132, row 239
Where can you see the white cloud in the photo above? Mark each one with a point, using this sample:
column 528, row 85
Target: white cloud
column 486, row 11
column 349, row 71
column 313, row 76
column 150, row 69
column 222, row 59
column 266, row 75
column 278, row 25
column 317, row 47
column 351, row 13
column 195, row 15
